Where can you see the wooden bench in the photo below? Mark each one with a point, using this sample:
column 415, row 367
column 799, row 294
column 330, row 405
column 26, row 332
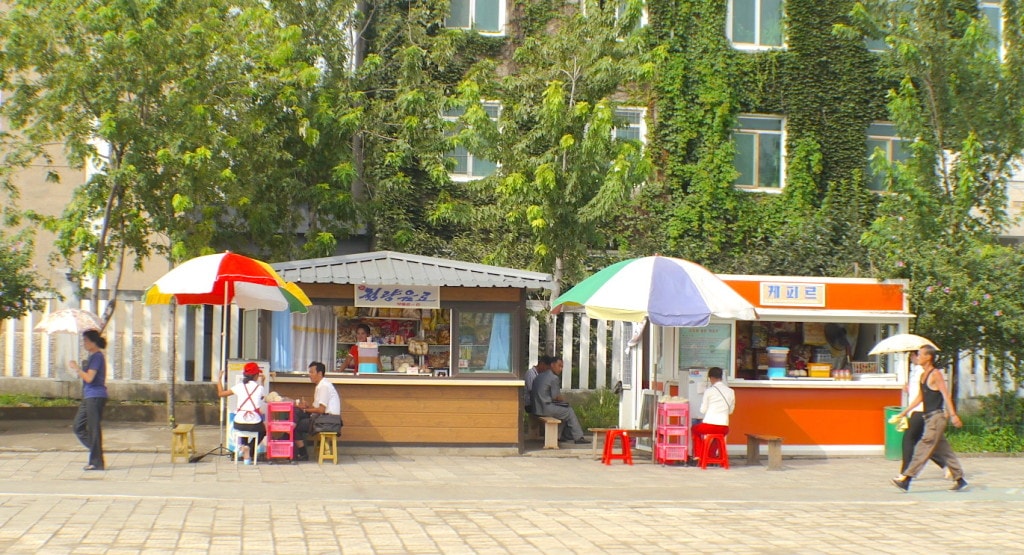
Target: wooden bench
column 754, row 442
column 602, row 432
column 550, row 429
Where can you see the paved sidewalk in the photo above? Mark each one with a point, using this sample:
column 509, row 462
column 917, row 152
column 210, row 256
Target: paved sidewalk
column 430, row 503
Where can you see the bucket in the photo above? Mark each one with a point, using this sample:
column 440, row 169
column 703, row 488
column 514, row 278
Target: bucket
column 776, row 372
column 778, row 357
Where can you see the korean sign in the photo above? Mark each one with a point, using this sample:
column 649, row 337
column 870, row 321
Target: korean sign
column 403, row 296
column 775, row 293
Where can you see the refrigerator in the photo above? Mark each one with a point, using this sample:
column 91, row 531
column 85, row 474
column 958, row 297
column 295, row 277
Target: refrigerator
column 696, row 384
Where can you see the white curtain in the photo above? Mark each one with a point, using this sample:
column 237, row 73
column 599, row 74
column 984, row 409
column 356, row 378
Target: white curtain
column 314, row 338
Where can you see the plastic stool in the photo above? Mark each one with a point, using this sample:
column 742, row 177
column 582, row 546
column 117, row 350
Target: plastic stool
column 183, row 442
column 255, row 437
column 625, row 455
column 723, row 455
column 328, row 447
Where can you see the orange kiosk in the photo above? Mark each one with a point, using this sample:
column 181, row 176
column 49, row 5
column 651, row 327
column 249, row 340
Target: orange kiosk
column 830, row 396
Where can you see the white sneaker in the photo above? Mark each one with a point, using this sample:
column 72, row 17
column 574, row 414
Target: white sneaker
column 245, row 454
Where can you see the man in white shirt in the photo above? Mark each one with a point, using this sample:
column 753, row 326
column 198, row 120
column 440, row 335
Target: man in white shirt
column 325, row 401
column 718, row 403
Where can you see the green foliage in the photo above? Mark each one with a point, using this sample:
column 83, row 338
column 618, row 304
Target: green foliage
column 195, row 104
column 561, row 171
column 978, row 436
column 949, row 200
column 24, row 400
column 598, row 409
column 19, row 284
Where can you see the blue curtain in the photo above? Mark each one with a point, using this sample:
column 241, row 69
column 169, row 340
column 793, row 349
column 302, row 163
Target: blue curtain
column 499, row 349
column 281, row 341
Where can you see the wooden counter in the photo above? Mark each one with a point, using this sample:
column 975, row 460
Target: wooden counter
column 421, row 410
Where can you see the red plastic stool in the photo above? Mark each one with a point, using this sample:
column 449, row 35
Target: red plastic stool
column 723, row 455
column 625, row 454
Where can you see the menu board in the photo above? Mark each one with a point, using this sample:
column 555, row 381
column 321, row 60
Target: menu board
column 706, row 347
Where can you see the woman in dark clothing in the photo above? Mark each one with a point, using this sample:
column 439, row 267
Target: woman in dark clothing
column 937, row 402
column 88, row 421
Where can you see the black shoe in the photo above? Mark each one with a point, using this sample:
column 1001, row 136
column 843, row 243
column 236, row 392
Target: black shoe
column 903, row 484
column 959, row 485
column 581, row 441
column 94, row 467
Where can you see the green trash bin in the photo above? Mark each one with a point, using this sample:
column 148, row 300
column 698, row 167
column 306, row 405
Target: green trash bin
column 893, row 437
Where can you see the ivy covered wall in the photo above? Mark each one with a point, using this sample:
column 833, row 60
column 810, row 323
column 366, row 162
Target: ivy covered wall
column 825, row 86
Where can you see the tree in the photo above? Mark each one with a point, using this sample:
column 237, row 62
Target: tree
column 178, row 105
column 959, row 98
column 19, row 284
column 560, row 168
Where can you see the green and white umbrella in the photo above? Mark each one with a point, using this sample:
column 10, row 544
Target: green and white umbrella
column 667, row 291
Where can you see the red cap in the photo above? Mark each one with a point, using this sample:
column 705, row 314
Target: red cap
column 251, row 369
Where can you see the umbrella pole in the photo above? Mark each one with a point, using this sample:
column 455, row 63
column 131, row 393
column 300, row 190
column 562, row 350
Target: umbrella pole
column 224, row 372
column 173, row 373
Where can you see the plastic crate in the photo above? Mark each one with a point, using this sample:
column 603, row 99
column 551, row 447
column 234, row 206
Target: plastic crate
column 864, row 367
column 280, row 449
column 667, row 452
column 672, row 434
column 819, row 369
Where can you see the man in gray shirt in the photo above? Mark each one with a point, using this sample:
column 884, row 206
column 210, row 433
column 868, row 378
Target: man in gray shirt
column 548, row 401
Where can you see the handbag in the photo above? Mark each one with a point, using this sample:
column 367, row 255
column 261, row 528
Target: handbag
column 326, row 423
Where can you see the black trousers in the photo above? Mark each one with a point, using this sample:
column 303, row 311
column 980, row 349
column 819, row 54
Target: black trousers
column 88, row 428
column 911, row 436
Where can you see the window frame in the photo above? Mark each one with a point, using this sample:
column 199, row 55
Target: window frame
column 876, row 132
column 502, row 19
column 468, row 176
column 739, row 128
column 756, row 45
column 641, row 126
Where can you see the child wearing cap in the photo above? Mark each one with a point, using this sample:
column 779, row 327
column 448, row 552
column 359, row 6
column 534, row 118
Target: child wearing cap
column 251, row 404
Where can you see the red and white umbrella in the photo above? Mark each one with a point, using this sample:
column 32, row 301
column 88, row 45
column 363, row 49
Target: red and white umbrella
column 227, row 278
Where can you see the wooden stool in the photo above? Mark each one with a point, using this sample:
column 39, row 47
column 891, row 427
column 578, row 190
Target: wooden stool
column 183, row 442
column 723, row 456
column 328, row 447
column 625, row 455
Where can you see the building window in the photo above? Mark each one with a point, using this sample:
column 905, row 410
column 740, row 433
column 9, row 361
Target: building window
column 882, row 136
column 630, row 124
column 483, row 16
column 993, row 15
column 755, row 23
column 620, row 12
column 467, row 166
column 484, row 341
column 758, row 141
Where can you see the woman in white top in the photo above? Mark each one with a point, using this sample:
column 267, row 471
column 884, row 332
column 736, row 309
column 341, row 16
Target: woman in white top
column 718, row 403
column 249, row 413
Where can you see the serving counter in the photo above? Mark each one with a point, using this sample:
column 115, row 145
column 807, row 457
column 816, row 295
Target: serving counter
column 416, row 410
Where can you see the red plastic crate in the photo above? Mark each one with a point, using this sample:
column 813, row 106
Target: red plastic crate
column 280, row 426
column 279, row 449
column 668, row 452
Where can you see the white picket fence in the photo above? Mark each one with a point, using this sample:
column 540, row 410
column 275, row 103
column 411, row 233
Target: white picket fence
column 145, row 342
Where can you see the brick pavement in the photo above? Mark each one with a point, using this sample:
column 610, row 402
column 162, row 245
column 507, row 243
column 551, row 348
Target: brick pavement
column 423, row 502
